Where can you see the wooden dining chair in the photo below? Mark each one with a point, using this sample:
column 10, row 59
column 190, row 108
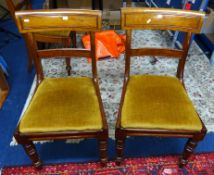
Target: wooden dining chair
column 155, row 105
column 62, row 108
column 51, row 36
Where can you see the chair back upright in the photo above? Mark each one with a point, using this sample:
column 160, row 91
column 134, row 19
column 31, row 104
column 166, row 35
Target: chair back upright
column 35, row 21
column 160, row 19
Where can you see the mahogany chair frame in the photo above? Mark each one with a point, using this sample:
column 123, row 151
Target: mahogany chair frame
column 161, row 19
column 26, row 5
column 62, row 20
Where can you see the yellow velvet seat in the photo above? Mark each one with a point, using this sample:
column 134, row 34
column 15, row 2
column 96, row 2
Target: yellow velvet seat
column 63, row 104
column 158, row 102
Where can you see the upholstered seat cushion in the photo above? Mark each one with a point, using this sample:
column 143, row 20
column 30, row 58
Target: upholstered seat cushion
column 63, row 104
column 158, row 102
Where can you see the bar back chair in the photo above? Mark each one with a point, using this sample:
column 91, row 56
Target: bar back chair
column 50, row 36
column 154, row 105
column 62, row 108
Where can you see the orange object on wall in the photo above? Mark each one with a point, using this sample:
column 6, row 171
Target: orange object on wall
column 108, row 44
column 188, row 6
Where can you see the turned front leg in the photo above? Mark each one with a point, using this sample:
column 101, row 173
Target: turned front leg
column 103, row 152
column 32, row 153
column 188, row 150
column 191, row 145
column 119, row 150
